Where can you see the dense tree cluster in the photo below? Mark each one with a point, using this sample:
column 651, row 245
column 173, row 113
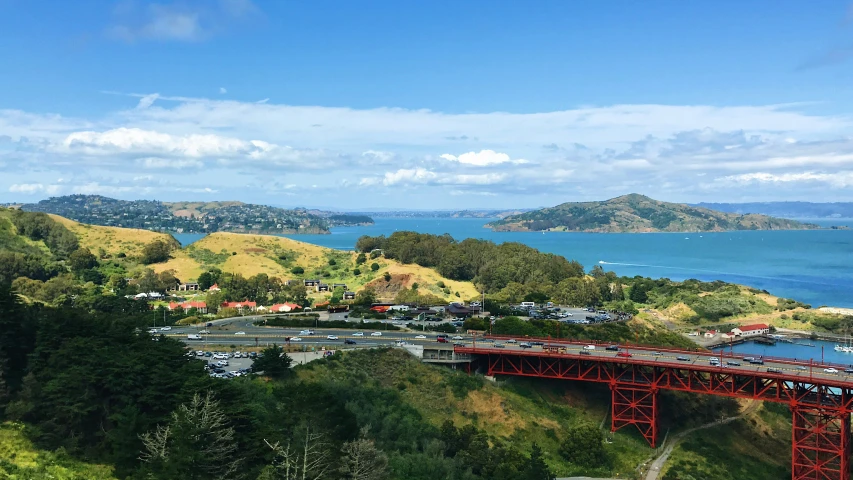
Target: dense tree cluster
column 39, row 226
column 487, row 264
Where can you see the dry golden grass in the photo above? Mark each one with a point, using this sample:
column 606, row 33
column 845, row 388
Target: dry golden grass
column 112, row 239
column 678, row 313
column 492, row 410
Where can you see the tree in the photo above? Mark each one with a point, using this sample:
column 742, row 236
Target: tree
column 361, row 460
column 332, row 262
column 206, row 280
column 82, row 259
column 365, row 297
column 356, row 272
column 583, row 446
column 374, row 266
column 297, row 270
column 197, row 443
column 536, row 468
column 274, row 362
column 307, row 459
column 639, row 292
column 296, row 293
column 361, row 258
column 156, row 252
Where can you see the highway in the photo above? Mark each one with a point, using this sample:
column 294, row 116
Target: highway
column 675, row 358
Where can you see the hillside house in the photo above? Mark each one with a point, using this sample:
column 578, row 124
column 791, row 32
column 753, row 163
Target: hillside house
column 188, row 287
column 241, row 306
column 349, row 296
column 201, row 307
column 322, row 287
column 336, row 286
column 311, row 283
column 214, row 288
column 751, row 330
column 710, row 334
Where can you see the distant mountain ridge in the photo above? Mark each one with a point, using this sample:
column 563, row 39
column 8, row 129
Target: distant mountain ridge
column 636, row 213
column 473, row 213
column 193, row 217
column 786, row 209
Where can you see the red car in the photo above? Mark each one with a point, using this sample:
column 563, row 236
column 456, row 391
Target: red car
column 624, row 354
column 441, row 340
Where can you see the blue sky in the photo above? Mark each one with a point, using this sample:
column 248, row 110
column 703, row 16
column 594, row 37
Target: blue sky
column 426, row 104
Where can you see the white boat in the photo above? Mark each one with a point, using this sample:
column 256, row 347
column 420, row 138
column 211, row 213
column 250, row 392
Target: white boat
column 839, row 348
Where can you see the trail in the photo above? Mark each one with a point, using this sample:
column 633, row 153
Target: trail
column 660, row 461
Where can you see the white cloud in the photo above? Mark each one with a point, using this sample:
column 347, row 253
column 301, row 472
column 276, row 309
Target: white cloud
column 160, row 163
column 222, row 90
column 483, row 158
column 34, row 188
column 427, row 177
column 836, row 180
column 185, row 21
column 146, row 101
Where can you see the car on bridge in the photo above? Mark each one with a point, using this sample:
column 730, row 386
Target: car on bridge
column 624, row 354
column 589, row 347
column 682, row 359
column 830, row 370
column 612, row 348
column 737, row 364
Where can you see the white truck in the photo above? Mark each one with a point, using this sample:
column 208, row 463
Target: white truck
column 193, row 336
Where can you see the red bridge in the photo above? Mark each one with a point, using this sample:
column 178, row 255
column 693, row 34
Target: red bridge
column 819, row 394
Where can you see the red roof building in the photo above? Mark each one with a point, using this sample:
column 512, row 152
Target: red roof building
column 214, row 288
column 285, row 307
column 186, row 306
column 751, row 330
column 240, row 305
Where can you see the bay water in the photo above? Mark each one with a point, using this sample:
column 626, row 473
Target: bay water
column 812, row 266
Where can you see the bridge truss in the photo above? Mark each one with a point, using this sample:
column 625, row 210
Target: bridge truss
column 821, row 408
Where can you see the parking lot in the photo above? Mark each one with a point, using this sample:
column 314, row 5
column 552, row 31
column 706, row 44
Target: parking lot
column 237, row 363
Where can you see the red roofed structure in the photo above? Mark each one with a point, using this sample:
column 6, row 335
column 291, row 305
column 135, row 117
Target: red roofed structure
column 285, row 307
column 241, row 305
column 186, row 306
column 751, row 330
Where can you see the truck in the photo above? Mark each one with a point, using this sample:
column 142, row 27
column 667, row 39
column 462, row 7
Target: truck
column 193, row 336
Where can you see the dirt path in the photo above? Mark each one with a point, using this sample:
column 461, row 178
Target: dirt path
column 660, row 461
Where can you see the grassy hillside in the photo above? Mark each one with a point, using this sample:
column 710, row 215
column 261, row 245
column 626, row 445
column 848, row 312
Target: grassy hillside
column 20, row 460
column 113, row 240
column 278, row 256
column 638, row 213
column 521, row 411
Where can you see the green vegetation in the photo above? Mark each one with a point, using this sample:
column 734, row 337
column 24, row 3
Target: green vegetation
column 634, row 332
column 286, row 321
column 157, row 251
column 207, row 257
column 638, row 213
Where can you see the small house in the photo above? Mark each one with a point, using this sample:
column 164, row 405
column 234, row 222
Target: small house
column 214, row 288
column 336, row 286
column 188, row 287
column 311, row 283
column 240, row 306
column 349, row 296
column 751, row 330
column 322, row 287
column 710, row 334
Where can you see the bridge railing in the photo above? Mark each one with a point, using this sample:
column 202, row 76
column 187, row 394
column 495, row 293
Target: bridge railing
column 653, row 348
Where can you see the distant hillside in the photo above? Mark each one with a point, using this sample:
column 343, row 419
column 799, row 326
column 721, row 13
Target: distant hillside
column 447, row 213
column 637, row 213
column 192, row 217
column 787, row 209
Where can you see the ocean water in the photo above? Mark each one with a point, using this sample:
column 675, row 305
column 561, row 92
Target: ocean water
column 818, row 351
column 812, row 266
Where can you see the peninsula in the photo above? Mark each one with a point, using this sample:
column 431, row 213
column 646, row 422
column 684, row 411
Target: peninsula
column 193, row 217
column 636, row 213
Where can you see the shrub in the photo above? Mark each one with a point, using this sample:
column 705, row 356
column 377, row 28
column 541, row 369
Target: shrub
column 297, row 270
column 374, row 266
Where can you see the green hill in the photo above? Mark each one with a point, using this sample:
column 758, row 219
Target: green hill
column 635, row 214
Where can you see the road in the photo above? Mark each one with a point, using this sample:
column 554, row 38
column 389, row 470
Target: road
column 664, row 357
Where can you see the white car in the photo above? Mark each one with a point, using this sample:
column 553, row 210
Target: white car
column 239, row 333
column 420, row 337
column 165, row 329
column 569, row 314
column 358, row 334
column 589, row 347
column 203, row 332
column 457, row 337
column 153, row 331
column 332, row 337
column 830, row 370
column 295, row 339
column 199, row 353
column 376, row 334
column 306, row 332
column 511, row 340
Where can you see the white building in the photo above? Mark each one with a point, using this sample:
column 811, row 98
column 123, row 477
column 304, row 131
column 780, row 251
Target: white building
column 751, row 330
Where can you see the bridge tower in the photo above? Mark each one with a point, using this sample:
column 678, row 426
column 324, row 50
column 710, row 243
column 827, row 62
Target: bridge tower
column 820, row 443
column 638, row 406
